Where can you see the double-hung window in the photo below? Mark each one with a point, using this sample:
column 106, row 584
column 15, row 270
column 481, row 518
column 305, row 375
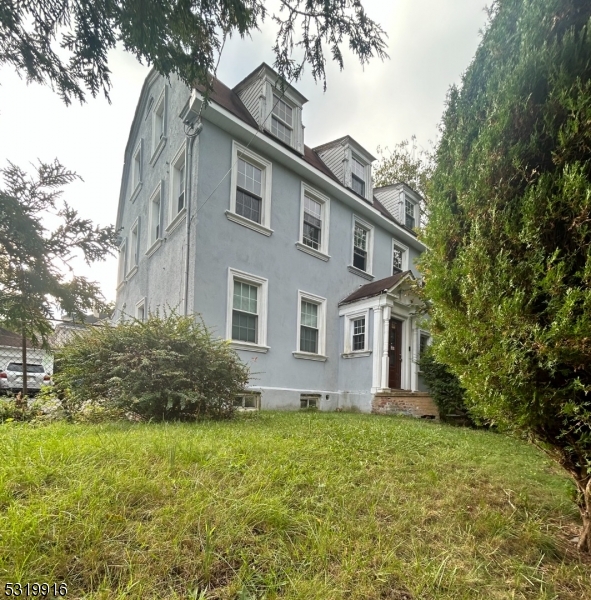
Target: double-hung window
column 309, row 327
column 358, row 340
column 178, row 199
column 155, row 219
column 311, row 336
column 362, row 248
column 158, row 126
column 249, row 191
column 136, row 171
column 247, row 311
column 140, row 310
column 134, row 247
column 356, row 333
column 314, row 223
column 357, row 177
column 122, row 267
column 399, row 257
column 282, row 120
column 250, row 197
column 409, row 213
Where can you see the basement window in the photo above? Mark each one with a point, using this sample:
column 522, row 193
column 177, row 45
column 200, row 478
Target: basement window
column 309, row 400
column 250, row 401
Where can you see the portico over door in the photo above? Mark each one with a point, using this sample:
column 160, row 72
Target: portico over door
column 395, row 354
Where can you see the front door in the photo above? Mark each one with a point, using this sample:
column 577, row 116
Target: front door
column 395, row 354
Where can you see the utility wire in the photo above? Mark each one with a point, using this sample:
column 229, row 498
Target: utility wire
column 247, row 146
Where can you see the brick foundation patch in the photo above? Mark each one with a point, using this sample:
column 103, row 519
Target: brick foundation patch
column 413, row 404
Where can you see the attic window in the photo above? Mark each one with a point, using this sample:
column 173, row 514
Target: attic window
column 357, row 177
column 282, row 120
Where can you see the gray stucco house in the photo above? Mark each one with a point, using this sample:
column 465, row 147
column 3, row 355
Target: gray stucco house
column 285, row 250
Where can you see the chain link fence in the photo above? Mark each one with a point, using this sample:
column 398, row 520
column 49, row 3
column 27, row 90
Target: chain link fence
column 16, row 352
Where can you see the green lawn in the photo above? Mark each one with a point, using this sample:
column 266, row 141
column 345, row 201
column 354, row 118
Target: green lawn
column 294, row 505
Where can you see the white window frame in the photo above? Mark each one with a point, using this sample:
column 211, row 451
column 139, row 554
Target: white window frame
column 421, row 333
column 136, row 179
column 397, row 244
column 262, row 310
column 134, row 252
column 142, row 304
column 368, row 273
column 282, row 98
column 122, row 264
column 324, row 202
column 349, row 319
column 154, row 244
column 158, row 144
column 264, row 227
column 366, row 177
column 176, row 216
column 321, row 303
column 415, row 205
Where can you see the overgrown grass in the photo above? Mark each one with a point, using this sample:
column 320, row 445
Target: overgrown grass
column 304, row 505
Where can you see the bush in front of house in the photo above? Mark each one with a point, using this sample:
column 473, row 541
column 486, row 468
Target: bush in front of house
column 166, row 368
column 446, row 390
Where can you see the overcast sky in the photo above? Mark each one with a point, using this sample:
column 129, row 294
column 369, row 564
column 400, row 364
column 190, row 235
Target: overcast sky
column 430, row 43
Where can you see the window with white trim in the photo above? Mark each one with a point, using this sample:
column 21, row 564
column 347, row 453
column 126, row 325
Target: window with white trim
column 140, row 310
column 314, row 214
column 136, row 168
column 178, row 200
column 249, row 191
column 399, row 257
column 311, row 337
column 362, row 245
column 424, row 339
column 247, row 310
column 357, row 332
column 309, row 401
column 409, row 213
column 134, row 246
column 155, row 216
column 358, row 175
column 358, row 340
column 122, row 266
column 282, row 120
column 250, row 197
column 159, row 123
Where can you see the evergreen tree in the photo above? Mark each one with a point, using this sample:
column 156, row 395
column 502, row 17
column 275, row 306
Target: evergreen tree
column 181, row 36
column 508, row 268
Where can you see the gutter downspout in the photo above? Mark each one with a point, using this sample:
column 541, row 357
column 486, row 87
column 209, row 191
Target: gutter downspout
column 190, row 137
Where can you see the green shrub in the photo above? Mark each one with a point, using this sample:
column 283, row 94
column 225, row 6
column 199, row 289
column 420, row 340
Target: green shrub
column 446, row 390
column 166, row 368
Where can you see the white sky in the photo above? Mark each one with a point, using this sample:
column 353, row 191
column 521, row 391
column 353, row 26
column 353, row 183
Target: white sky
column 430, row 43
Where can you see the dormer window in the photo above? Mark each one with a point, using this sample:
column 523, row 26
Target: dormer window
column 282, row 120
column 409, row 213
column 358, row 177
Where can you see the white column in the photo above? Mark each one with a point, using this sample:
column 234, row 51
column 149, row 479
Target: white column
column 377, row 349
column 385, row 340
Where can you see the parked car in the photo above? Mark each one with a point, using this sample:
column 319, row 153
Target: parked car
column 11, row 378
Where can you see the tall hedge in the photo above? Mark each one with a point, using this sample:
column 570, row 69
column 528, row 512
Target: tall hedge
column 509, row 232
column 166, row 368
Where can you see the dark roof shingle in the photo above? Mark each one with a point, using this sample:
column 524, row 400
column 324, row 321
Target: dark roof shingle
column 375, row 288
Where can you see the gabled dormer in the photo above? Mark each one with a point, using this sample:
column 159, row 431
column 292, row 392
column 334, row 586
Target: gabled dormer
column 351, row 164
column 276, row 109
column 401, row 201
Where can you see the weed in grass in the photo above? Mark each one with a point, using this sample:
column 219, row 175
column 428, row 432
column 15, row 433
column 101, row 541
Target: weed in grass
column 293, row 506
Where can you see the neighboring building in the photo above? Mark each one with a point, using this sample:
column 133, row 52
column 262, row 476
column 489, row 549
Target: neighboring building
column 285, row 250
column 66, row 328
